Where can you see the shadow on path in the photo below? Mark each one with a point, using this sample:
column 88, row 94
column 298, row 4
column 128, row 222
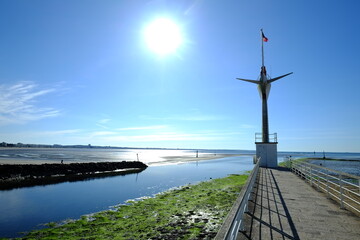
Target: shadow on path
column 268, row 216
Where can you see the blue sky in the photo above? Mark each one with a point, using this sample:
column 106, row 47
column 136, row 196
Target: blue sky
column 79, row 72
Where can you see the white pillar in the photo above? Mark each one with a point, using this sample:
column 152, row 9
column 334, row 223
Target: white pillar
column 268, row 154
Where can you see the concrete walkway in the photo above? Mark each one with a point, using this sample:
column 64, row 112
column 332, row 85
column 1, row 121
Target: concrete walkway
column 286, row 207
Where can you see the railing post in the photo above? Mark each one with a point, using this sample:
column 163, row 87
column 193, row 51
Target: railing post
column 341, row 192
column 327, row 186
column 303, row 172
column 318, row 179
column 247, row 204
column 298, row 170
column 295, row 169
column 311, row 181
column 241, row 227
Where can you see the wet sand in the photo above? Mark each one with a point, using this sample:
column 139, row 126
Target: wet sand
column 167, row 160
column 184, row 159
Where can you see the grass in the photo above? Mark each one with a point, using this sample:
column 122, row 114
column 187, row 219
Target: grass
column 189, row 212
column 287, row 164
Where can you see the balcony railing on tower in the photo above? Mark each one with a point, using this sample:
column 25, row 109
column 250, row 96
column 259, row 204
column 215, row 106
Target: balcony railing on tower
column 272, row 138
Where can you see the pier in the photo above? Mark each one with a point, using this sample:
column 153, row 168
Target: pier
column 303, row 201
column 287, row 205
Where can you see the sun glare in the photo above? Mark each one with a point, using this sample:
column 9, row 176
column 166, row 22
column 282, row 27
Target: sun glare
column 163, row 36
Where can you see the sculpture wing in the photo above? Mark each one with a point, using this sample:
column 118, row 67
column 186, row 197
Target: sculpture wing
column 277, row 78
column 248, row 80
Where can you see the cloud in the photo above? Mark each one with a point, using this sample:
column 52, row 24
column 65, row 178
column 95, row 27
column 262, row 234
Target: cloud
column 61, row 132
column 161, row 137
column 102, row 133
column 143, row 128
column 192, row 117
column 18, row 103
column 159, row 133
column 104, row 121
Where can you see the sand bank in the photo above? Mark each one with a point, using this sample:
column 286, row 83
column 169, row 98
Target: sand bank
column 183, row 159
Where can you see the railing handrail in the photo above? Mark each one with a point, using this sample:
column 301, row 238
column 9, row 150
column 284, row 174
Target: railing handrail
column 332, row 177
column 330, row 170
column 335, row 185
column 272, row 137
column 234, row 220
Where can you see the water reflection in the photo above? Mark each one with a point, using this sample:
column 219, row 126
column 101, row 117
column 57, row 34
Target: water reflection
column 24, row 209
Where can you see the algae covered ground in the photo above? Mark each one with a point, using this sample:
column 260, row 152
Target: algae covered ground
column 190, row 212
column 288, row 163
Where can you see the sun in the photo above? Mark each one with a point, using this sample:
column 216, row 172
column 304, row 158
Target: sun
column 163, row 36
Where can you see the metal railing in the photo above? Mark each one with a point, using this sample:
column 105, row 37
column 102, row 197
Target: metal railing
column 272, row 137
column 342, row 187
column 234, row 221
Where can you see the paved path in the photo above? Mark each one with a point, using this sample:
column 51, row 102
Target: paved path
column 286, row 207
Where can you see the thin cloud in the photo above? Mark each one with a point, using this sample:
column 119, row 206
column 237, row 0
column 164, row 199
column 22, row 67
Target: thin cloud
column 18, row 103
column 102, row 133
column 61, row 132
column 104, row 121
column 161, row 138
column 143, row 128
column 195, row 117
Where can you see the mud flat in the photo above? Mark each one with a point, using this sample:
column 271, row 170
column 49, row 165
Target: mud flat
column 24, row 175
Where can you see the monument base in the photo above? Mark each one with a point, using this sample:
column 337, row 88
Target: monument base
column 267, row 153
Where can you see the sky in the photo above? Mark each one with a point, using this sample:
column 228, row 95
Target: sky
column 81, row 72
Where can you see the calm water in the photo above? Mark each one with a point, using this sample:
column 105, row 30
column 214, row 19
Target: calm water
column 351, row 167
column 23, row 209
column 26, row 208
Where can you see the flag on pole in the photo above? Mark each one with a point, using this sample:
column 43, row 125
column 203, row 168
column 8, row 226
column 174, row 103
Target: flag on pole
column 265, row 39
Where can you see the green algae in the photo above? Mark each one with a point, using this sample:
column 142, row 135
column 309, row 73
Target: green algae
column 190, row 212
column 288, row 163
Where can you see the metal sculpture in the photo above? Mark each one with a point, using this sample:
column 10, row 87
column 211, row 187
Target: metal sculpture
column 264, row 85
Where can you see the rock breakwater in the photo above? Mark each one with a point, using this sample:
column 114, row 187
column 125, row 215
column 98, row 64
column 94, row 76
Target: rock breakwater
column 22, row 175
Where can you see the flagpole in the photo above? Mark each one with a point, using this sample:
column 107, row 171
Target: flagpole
column 262, row 47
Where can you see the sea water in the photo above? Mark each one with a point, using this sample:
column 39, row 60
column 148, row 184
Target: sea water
column 25, row 209
column 28, row 208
